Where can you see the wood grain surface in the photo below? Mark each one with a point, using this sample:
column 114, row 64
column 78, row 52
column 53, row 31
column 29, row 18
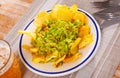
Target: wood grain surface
column 117, row 72
column 10, row 12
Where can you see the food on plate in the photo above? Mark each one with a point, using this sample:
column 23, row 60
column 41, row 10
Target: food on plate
column 59, row 35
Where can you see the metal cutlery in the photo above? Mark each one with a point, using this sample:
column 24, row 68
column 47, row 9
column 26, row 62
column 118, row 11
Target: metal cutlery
column 108, row 13
column 102, row 4
column 110, row 22
column 106, row 4
column 107, row 19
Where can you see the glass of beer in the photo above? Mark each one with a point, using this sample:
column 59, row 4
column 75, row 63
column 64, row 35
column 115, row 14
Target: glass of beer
column 9, row 66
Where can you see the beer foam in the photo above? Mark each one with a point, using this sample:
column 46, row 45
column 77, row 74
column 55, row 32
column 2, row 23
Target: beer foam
column 4, row 53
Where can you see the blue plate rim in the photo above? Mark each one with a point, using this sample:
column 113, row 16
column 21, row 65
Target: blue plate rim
column 73, row 68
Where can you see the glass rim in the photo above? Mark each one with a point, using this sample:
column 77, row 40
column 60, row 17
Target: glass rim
column 9, row 54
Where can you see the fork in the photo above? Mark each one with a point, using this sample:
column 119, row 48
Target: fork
column 107, row 19
column 110, row 16
column 108, row 13
column 106, row 4
column 101, row 4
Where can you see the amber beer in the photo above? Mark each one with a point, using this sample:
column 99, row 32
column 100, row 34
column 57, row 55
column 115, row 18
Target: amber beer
column 9, row 66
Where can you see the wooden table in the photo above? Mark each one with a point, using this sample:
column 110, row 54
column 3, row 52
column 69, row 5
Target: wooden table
column 15, row 14
column 10, row 12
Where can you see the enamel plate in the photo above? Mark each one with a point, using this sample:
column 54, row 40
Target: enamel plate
column 47, row 69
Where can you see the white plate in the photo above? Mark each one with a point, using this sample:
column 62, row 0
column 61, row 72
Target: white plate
column 47, row 69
